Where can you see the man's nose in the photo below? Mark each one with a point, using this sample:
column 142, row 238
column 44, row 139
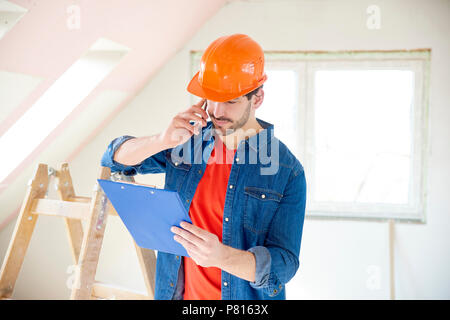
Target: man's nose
column 217, row 109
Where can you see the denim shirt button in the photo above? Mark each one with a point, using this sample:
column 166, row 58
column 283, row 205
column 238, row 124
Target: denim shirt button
column 263, row 196
column 171, row 284
column 231, row 186
column 226, row 219
column 225, row 284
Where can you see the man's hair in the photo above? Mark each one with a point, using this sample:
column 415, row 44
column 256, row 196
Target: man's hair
column 252, row 93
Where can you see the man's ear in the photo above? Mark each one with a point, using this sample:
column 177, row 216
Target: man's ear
column 258, row 98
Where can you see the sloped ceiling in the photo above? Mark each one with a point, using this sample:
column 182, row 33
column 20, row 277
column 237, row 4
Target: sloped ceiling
column 46, row 37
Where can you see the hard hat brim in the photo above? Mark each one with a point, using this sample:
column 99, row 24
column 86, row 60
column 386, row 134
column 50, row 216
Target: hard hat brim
column 195, row 88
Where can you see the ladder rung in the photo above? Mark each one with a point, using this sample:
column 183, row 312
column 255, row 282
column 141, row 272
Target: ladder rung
column 78, row 209
column 111, row 211
column 108, row 291
column 80, row 199
column 60, row 208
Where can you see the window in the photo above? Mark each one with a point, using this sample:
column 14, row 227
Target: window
column 280, row 105
column 10, row 14
column 358, row 122
column 58, row 102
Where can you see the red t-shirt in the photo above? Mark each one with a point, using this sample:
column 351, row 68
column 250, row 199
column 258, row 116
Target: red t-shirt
column 206, row 212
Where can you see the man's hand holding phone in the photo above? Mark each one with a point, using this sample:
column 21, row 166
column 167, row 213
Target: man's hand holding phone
column 181, row 129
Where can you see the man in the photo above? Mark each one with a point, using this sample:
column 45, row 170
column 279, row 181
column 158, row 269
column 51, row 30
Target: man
column 244, row 241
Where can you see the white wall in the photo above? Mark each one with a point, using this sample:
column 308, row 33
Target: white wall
column 339, row 259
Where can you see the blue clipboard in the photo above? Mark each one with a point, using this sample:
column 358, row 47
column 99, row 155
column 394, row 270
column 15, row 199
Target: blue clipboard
column 148, row 214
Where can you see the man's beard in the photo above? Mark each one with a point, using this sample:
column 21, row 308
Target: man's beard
column 236, row 124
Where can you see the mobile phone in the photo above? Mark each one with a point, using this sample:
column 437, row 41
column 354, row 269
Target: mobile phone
column 206, row 106
column 198, row 124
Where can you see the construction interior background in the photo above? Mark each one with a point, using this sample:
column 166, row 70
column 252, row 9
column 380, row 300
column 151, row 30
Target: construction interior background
column 145, row 54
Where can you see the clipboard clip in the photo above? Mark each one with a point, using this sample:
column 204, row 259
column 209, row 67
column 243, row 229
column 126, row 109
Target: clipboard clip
column 120, row 177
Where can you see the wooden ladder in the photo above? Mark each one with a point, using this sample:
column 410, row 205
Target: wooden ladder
column 85, row 245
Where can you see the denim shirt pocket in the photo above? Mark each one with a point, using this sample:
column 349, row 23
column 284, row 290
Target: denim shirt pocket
column 260, row 206
column 176, row 172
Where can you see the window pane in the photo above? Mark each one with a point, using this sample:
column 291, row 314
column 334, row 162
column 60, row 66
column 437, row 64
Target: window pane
column 58, row 102
column 280, row 105
column 362, row 144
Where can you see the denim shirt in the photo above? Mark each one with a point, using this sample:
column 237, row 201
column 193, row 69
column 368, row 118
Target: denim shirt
column 263, row 213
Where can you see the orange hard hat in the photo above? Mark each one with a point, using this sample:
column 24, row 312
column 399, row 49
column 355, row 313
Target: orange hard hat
column 230, row 67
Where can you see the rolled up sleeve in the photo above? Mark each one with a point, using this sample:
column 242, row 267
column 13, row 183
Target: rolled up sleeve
column 278, row 260
column 154, row 164
column 263, row 261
